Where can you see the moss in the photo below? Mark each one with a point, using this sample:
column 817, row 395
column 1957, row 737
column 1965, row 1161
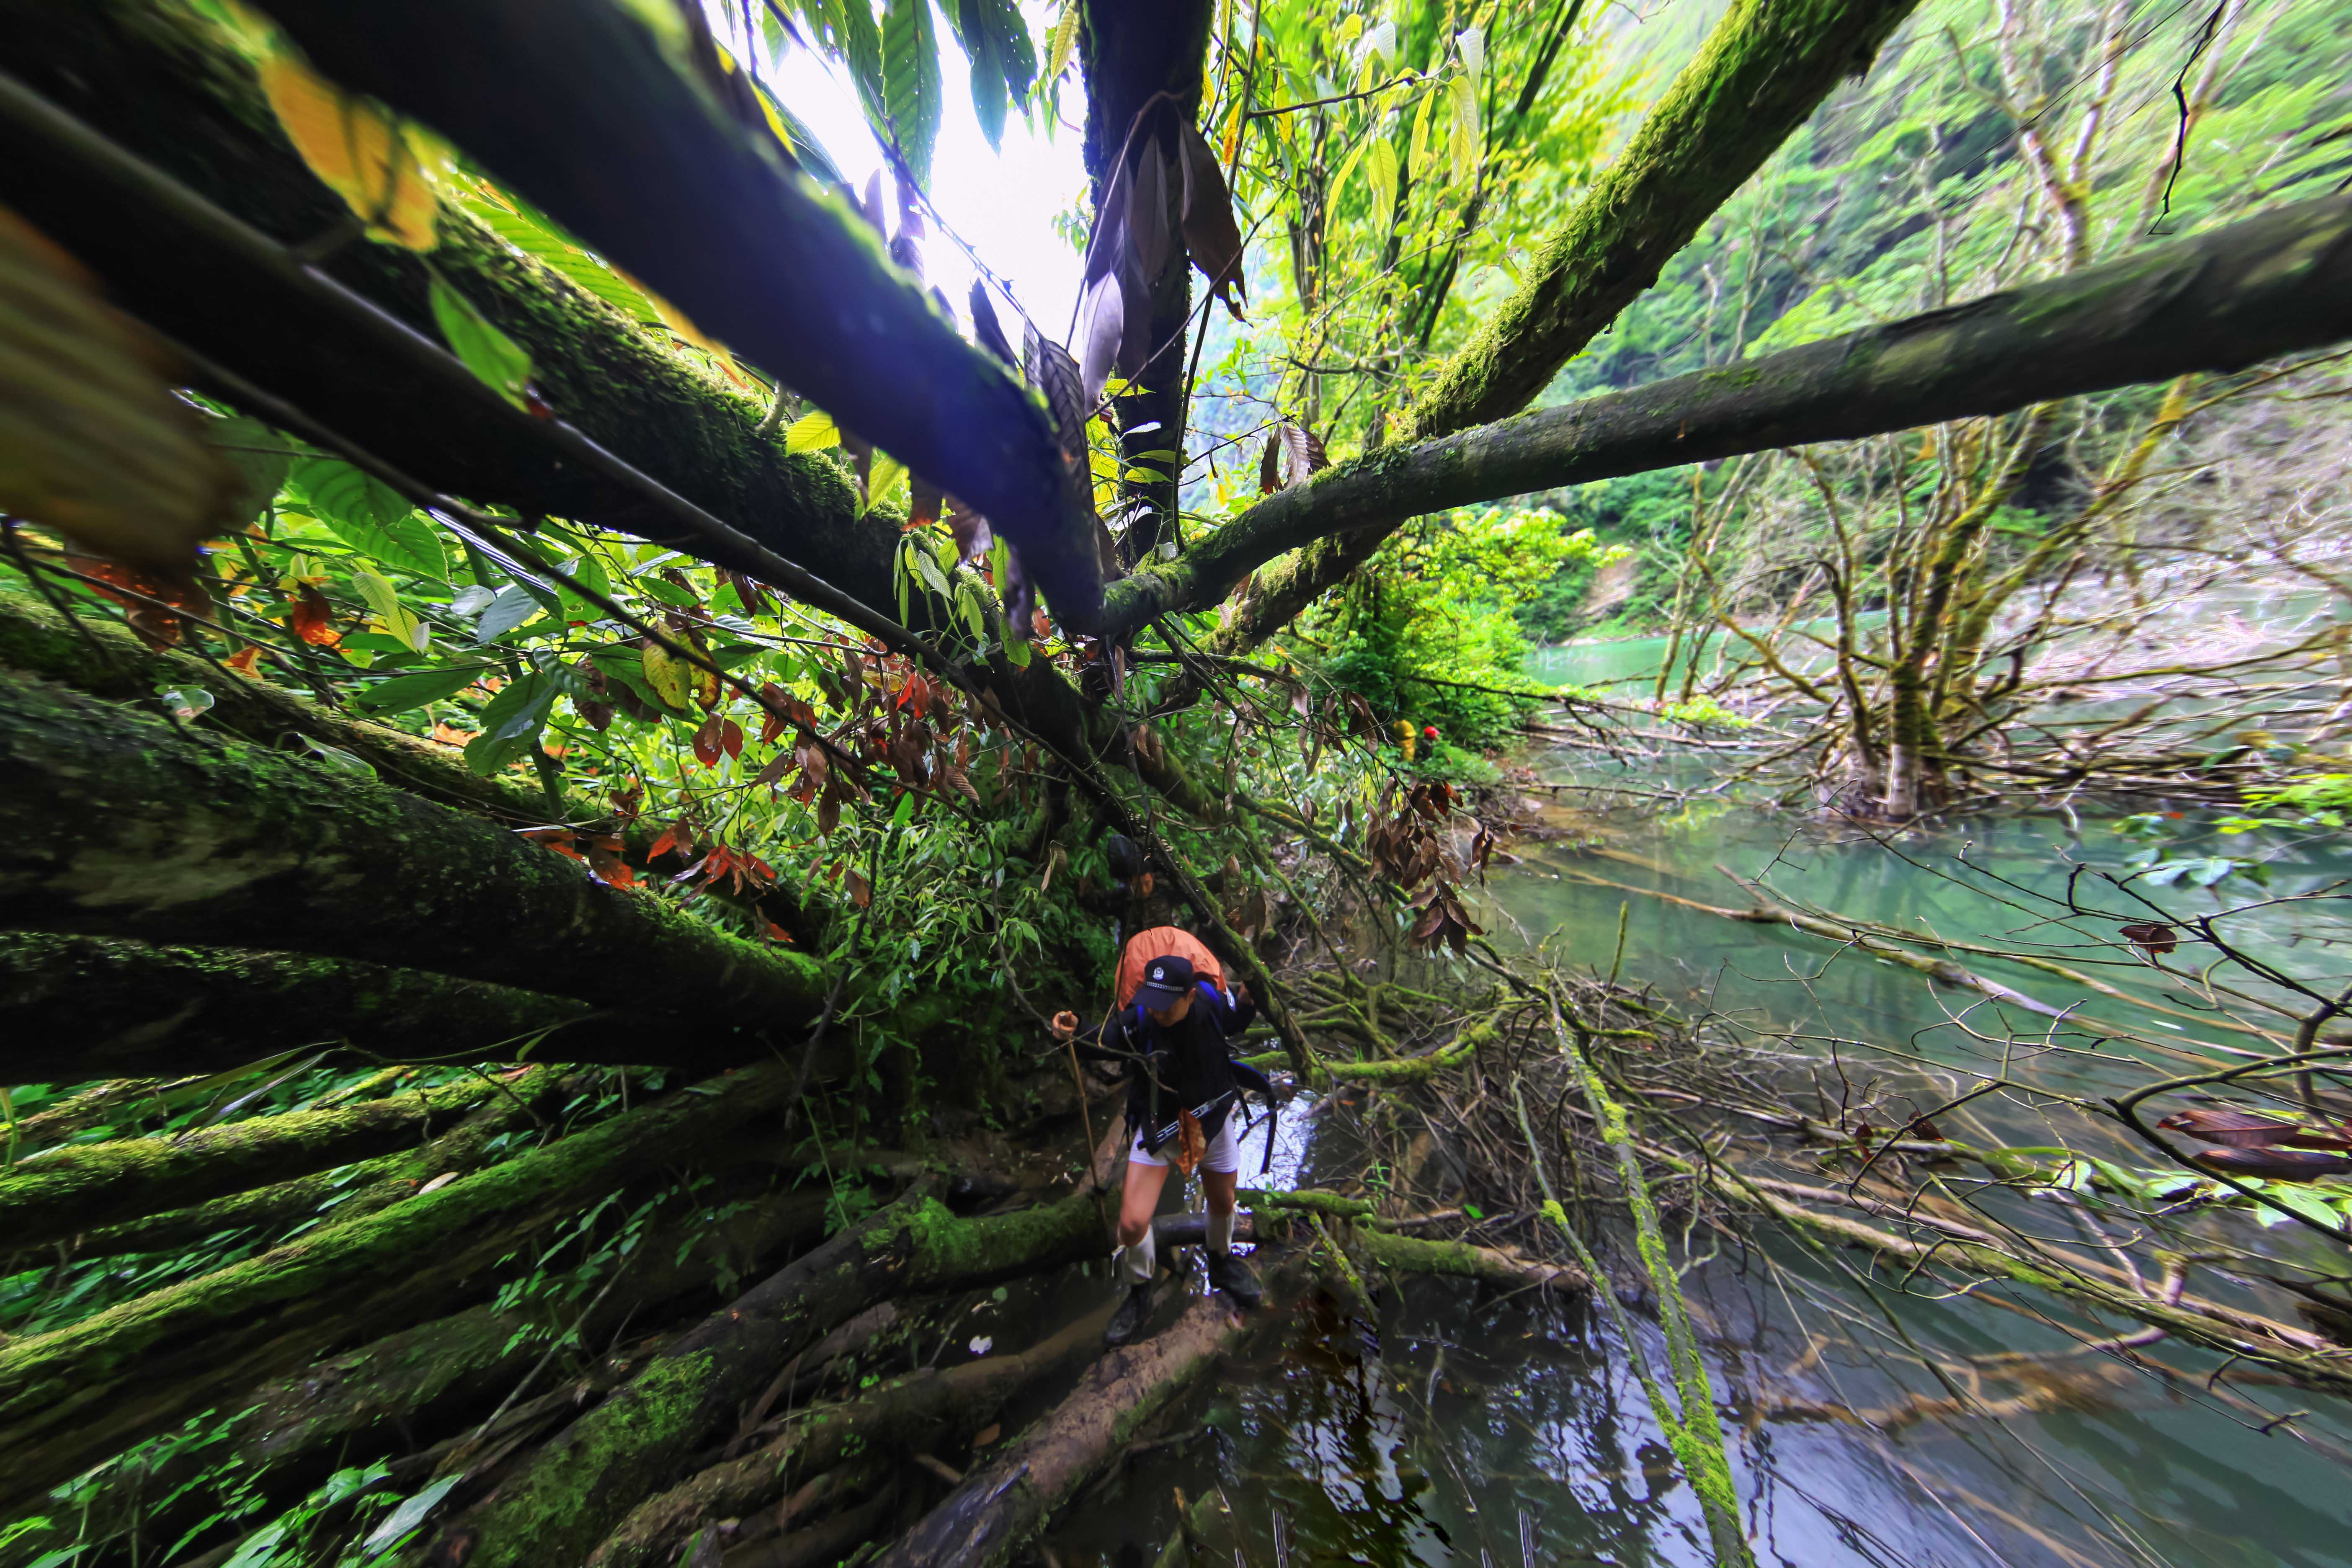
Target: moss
column 122, row 826
column 178, row 1346
column 84, row 1186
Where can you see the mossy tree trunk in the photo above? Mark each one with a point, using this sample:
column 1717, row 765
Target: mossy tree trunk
column 583, row 110
column 411, row 1386
column 572, row 1493
column 2221, row 301
column 70, row 1397
column 118, row 823
column 78, row 1008
column 84, row 1185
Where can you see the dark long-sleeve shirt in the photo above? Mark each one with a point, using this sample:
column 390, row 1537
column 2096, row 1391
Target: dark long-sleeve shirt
column 1185, row 1065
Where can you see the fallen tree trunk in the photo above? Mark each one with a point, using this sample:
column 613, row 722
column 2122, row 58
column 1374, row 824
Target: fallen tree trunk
column 1003, row 1503
column 157, row 78
column 37, row 639
column 1462, row 1261
column 2221, row 301
column 180, row 97
column 75, row 1007
column 117, row 825
column 85, row 1186
column 388, row 1396
column 70, row 1397
column 584, row 111
column 341, row 1197
column 1763, row 70
column 918, row 1411
column 570, row 1494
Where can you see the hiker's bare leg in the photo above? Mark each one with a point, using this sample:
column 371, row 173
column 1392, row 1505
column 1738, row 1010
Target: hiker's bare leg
column 1137, row 1205
column 1221, row 1187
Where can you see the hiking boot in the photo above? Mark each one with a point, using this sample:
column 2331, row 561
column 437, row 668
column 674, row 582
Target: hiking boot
column 1234, row 1277
column 1128, row 1321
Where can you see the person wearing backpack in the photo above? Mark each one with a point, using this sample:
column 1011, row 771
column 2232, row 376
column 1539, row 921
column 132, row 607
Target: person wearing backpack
column 1173, row 1037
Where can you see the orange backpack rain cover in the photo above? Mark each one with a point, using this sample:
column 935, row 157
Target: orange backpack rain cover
column 1160, row 942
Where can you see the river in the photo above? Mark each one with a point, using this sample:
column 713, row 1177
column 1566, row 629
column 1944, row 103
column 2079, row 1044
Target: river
column 1464, row 1428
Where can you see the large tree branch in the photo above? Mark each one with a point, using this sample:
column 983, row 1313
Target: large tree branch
column 74, row 1008
column 169, row 236
column 114, row 825
column 162, row 85
column 1764, row 68
column 584, row 109
column 2232, row 297
column 1762, row 71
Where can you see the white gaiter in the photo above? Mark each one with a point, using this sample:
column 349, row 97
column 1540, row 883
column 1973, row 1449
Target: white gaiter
column 1138, row 1260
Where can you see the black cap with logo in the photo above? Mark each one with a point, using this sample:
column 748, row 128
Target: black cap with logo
column 1165, row 979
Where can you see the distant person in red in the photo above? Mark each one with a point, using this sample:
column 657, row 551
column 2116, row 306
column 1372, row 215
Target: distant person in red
column 1172, row 1036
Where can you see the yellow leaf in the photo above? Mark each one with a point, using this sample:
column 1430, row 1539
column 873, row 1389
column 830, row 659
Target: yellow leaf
column 1066, row 35
column 93, row 444
column 669, row 677
column 1466, row 129
column 1420, row 131
column 375, row 165
column 812, row 432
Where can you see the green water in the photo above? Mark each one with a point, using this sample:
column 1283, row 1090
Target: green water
column 1471, row 1429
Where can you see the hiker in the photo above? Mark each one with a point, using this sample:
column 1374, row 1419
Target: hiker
column 1171, row 1033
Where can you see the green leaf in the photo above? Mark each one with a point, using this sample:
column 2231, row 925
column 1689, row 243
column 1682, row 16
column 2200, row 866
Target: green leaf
column 1465, row 142
column 407, row 1516
column 510, row 725
column 887, row 478
column 1380, row 168
column 933, row 578
column 911, row 81
column 397, row 618
column 489, row 352
column 810, row 432
column 369, row 516
column 591, row 575
column 667, row 592
column 1346, row 168
column 402, row 692
column 860, row 45
column 1066, row 36
column 514, row 604
column 1002, row 61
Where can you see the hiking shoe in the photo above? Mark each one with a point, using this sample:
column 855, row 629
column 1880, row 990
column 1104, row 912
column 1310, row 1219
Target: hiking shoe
column 1128, row 1321
column 1234, row 1277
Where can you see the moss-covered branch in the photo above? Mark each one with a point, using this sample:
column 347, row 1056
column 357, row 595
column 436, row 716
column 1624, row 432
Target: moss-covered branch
column 914, row 1412
column 1760, row 74
column 572, row 1493
column 84, row 1185
column 412, row 1385
column 75, row 1007
column 36, row 639
column 345, row 1196
column 1762, row 71
column 70, row 1397
column 1000, row 1504
column 2225, row 299
column 594, row 115
column 117, row 825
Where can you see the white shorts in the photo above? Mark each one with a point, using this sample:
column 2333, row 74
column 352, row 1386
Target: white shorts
column 1224, row 1154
